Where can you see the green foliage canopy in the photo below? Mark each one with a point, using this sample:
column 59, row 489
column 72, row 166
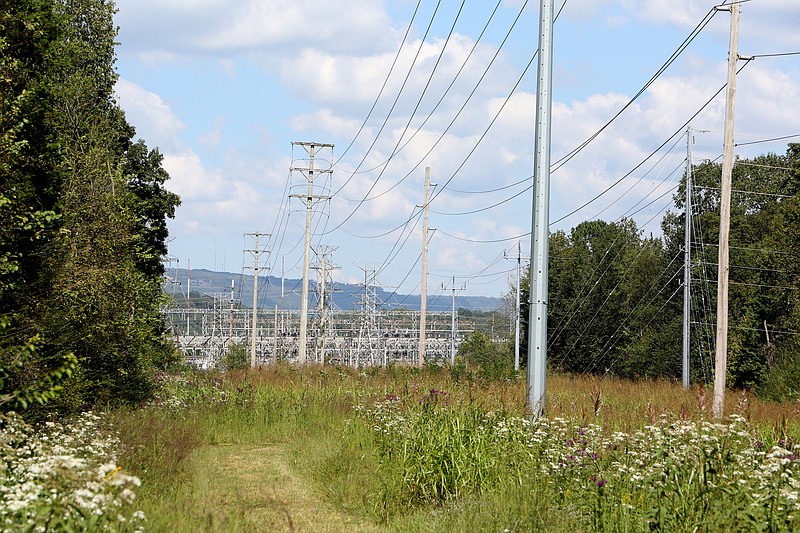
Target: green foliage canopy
column 83, row 213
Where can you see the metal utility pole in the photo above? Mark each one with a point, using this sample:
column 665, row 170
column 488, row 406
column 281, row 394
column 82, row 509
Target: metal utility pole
column 308, row 172
column 516, row 307
column 323, row 303
column 275, row 338
column 423, row 302
column 256, row 251
column 687, row 260
column 723, row 268
column 453, row 319
column 369, row 321
column 540, row 223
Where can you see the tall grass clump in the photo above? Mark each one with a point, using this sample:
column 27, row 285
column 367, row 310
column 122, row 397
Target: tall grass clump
column 672, row 475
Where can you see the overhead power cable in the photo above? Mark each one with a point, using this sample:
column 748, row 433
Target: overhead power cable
column 776, row 55
column 686, row 42
column 455, row 117
column 769, row 140
column 489, row 241
column 385, row 82
column 396, row 148
column 442, row 97
column 678, row 131
column 394, row 104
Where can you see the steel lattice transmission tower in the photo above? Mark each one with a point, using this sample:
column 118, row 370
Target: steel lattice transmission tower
column 368, row 344
column 323, row 290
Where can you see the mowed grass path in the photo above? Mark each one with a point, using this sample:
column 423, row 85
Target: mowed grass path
column 246, row 488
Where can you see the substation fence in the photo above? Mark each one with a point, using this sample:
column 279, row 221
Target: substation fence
column 205, row 335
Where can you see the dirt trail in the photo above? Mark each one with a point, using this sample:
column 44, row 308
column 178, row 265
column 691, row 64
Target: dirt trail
column 256, row 489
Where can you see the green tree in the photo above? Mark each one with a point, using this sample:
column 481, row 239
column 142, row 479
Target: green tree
column 86, row 209
column 763, row 257
column 492, row 360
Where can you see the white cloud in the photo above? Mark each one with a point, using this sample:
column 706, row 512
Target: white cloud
column 190, row 179
column 323, row 64
column 682, row 13
column 213, row 137
column 227, row 26
column 150, row 114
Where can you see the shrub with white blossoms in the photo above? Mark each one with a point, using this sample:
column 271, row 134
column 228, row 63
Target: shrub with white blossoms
column 674, row 475
column 63, row 476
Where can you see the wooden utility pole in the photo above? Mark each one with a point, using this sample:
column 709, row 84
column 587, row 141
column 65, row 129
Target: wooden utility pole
column 723, row 268
column 309, row 198
column 423, row 302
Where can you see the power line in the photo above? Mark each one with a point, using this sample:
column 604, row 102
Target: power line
column 769, row 140
column 679, row 130
column 397, row 148
column 749, row 192
column 758, row 329
column 394, row 104
column 385, row 82
column 461, row 109
column 446, row 91
column 781, row 54
column 688, row 40
column 491, row 241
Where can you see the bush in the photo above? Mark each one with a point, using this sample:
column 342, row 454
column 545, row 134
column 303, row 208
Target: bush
column 491, row 360
column 235, row 358
column 63, row 477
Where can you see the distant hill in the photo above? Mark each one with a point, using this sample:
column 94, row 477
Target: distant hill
column 345, row 296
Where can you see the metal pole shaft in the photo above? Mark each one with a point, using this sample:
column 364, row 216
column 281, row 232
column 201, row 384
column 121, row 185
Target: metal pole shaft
column 453, row 327
column 255, row 308
column 687, row 261
column 721, row 360
column 188, row 293
column 537, row 324
column 306, row 252
column 323, row 326
column 230, row 324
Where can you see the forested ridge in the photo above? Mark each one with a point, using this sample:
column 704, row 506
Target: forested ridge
column 83, row 210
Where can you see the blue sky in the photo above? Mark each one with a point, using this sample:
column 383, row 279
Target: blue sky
column 223, row 87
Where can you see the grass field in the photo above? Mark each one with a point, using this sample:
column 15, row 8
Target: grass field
column 404, row 449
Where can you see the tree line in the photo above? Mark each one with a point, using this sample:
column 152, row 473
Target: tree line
column 83, row 210
column 616, row 296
